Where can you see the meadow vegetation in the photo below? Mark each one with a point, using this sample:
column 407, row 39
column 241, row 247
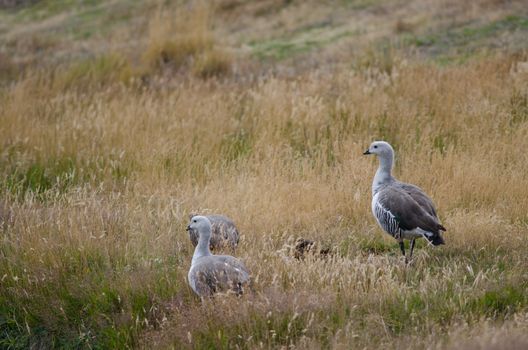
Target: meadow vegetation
column 261, row 110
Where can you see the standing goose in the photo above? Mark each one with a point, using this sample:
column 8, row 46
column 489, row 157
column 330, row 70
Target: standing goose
column 403, row 210
column 210, row 273
column 223, row 232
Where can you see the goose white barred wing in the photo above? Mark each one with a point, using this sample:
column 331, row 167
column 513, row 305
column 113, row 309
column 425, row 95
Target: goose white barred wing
column 385, row 218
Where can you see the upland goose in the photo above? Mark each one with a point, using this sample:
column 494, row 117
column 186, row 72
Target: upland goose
column 210, row 274
column 223, row 232
column 403, row 210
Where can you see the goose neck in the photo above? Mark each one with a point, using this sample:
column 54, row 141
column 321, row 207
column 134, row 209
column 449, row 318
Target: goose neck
column 384, row 173
column 202, row 249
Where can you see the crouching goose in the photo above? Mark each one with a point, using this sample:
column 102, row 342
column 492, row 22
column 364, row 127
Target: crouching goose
column 223, row 232
column 403, row 210
column 210, row 273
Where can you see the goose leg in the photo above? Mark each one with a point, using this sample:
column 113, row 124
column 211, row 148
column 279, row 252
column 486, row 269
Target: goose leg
column 412, row 247
column 402, row 248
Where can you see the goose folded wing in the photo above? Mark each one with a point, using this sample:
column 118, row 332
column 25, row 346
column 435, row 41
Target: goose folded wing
column 220, row 273
column 407, row 211
column 420, row 197
column 224, row 228
column 227, row 230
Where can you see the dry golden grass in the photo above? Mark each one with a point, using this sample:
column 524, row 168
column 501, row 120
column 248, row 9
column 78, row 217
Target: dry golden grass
column 182, row 38
column 283, row 158
column 99, row 170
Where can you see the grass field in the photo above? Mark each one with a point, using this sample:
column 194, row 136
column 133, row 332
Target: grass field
column 119, row 118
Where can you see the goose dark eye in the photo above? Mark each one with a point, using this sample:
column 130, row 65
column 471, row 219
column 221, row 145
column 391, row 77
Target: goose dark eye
column 375, row 146
column 194, row 220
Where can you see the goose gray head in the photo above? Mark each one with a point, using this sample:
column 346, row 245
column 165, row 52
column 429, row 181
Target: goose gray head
column 381, row 149
column 200, row 224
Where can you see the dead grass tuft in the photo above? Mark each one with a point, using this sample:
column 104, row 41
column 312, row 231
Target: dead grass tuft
column 211, row 63
column 8, row 69
column 185, row 39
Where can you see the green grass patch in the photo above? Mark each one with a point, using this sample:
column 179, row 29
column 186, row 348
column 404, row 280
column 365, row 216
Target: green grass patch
column 43, row 9
column 501, row 301
column 97, row 305
column 45, row 178
column 374, row 246
column 509, row 23
column 361, row 4
column 298, row 43
column 275, row 329
column 40, row 177
column 413, row 311
column 71, row 19
column 403, row 312
column 457, row 45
